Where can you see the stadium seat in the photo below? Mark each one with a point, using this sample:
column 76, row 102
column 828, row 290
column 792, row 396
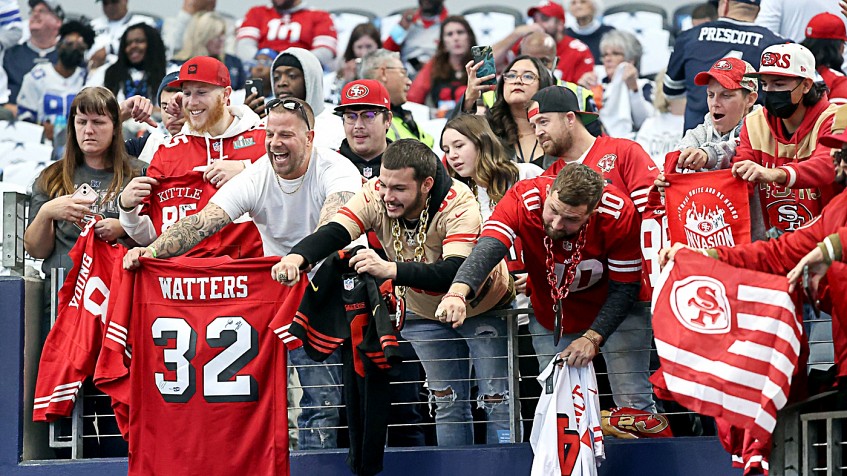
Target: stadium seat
column 493, row 23
column 345, row 19
column 158, row 20
column 635, row 17
column 656, row 50
column 681, row 20
column 386, row 23
column 20, row 131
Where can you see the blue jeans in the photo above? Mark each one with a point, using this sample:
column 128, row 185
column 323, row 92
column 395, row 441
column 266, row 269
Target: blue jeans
column 319, row 420
column 447, row 355
column 627, row 355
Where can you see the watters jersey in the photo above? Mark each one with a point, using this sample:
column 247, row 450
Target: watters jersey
column 196, row 375
column 453, row 231
column 566, row 435
column 72, row 346
column 304, row 28
column 611, row 250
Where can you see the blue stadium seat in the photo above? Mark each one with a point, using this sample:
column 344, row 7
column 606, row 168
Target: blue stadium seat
column 681, row 19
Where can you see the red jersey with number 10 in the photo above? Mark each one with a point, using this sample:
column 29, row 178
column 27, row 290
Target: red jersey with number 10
column 304, row 28
column 196, row 375
column 611, row 250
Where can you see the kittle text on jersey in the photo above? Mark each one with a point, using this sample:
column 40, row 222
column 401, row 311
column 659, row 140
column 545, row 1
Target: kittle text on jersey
column 202, row 288
column 187, row 192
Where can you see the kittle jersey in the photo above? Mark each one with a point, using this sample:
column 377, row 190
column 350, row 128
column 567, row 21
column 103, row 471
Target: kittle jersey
column 566, row 435
column 611, row 250
column 178, row 197
column 72, row 346
column 196, row 375
column 452, row 231
column 304, row 28
column 728, row 341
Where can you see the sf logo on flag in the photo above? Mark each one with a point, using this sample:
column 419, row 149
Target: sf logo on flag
column 701, row 305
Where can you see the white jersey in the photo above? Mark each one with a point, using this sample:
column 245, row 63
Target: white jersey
column 566, row 435
column 45, row 94
column 109, row 32
column 259, row 192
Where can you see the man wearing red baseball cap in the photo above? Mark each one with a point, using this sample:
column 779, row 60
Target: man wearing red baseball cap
column 575, row 59
column 825, row 37
column 216, row 143
column 366, row 111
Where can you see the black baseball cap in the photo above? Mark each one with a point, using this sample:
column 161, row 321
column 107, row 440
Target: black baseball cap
column 558, row 99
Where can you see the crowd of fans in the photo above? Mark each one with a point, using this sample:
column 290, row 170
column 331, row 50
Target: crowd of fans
column 725, row 100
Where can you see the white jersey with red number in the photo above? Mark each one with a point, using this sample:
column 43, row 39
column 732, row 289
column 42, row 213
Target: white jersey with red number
column 304, row 27
column 566, row 435
column 196, row 375
column 626, row 165
column 611, row 250
column 73, row 343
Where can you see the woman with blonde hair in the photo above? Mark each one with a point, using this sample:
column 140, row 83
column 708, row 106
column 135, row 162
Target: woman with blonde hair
column 205, row 35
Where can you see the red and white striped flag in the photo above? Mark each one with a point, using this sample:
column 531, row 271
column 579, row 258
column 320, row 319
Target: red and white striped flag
column 728, row 341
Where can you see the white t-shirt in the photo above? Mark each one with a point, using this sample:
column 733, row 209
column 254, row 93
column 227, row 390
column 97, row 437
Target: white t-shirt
column 525, row 171
column 659, row 135
column 284, row 219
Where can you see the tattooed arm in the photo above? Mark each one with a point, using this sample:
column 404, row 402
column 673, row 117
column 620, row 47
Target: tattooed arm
column 182, row 236
column 332, row 204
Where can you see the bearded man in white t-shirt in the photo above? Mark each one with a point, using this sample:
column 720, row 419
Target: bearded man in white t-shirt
column 289, row 194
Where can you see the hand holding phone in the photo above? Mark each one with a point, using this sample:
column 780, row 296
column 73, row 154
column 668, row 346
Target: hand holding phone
column 86, row 194
column 254, row 86
column 485, row 55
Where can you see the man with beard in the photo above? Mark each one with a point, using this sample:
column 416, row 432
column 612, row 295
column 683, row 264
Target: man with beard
column 109, row 29
column 216, row 143
column 48, row 90
column 580, row 246
column 560, row 129
column 284, row 24
column 294, row 189
column 416, row 35
column 426, row 223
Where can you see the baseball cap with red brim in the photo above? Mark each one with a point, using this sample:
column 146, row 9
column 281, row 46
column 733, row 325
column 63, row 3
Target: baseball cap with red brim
column 730, row 73
column 203, row 69
column 835, row 141
column 549, row 9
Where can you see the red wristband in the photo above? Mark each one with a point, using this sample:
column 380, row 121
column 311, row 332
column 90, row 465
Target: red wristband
column 456, row 295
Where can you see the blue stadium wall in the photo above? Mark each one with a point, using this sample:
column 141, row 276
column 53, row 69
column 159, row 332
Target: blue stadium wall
column 661, row 457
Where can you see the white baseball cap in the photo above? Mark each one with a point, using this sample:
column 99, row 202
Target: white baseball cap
column 789, row 59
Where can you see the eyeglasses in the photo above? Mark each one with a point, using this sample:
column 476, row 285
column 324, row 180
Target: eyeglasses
column 399, row 68
column 612, row 53
column 291, row 105
column 525, row 78
column 368, row 117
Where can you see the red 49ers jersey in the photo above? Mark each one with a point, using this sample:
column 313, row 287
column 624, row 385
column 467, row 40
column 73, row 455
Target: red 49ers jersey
column 196, row 375
column 654, row 237
column 611, row 250
column 304, row 28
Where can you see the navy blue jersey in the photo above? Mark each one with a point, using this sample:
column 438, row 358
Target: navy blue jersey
column 698, row 48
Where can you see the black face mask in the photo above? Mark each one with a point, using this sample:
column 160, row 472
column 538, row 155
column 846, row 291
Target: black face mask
column 71, row 57
column 778, row 103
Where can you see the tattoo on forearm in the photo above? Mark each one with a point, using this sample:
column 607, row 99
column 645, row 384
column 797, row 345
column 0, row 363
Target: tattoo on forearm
column 186, row 233
column 331, row 206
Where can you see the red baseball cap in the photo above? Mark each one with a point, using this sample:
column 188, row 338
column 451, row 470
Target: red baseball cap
column 826, row 26
column 835, row 141
column 729, row 72
column 364, row 92
column 204, row 69
column 548, row 8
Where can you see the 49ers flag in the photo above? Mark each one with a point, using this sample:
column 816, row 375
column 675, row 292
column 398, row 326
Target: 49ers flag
column 728, row 341
column 707, row 209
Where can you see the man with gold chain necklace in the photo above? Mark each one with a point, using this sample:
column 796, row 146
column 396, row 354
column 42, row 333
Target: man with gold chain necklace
column 427, row 223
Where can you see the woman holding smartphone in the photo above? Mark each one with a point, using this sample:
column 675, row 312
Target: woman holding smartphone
column 94, row 157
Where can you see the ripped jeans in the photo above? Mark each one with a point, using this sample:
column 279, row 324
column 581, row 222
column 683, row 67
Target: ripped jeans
column 444, row 354
column 319, row 418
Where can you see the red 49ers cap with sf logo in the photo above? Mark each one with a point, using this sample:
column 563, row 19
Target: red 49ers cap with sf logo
column 364, row 92
column 203, row 69
column 790, row 59
column 730, row 73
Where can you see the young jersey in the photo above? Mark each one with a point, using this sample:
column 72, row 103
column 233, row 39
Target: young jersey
column 196, row 375
column 46, row 95
column 566, row 435
column 73, row 343
column 611, row 250
column 303, row 27
column 177, row 197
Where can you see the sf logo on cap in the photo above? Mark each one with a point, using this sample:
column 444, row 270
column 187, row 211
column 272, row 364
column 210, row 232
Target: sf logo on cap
column 776, row 59
column 357, row 91
column 192, row 69
column 723, row 65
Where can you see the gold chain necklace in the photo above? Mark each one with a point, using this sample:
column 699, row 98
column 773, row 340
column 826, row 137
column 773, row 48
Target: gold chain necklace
column 420, row 232
column 279, row 184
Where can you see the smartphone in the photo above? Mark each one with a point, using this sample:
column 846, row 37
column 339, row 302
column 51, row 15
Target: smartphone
column 87, row 194
column 254, row 85
column 485, row 55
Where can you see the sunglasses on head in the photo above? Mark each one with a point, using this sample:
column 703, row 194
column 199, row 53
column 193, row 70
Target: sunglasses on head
column 290, row 105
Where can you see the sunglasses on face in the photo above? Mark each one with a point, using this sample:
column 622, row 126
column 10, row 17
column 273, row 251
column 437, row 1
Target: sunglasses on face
column 290, row 105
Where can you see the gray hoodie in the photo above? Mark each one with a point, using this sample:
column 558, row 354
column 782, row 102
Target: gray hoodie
column 719, row 147
column 329, row 129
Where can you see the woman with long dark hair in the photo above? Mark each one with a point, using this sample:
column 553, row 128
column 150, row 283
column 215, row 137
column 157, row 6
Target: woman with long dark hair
column 442, row 81
column 363, row 39
column 140, row 66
